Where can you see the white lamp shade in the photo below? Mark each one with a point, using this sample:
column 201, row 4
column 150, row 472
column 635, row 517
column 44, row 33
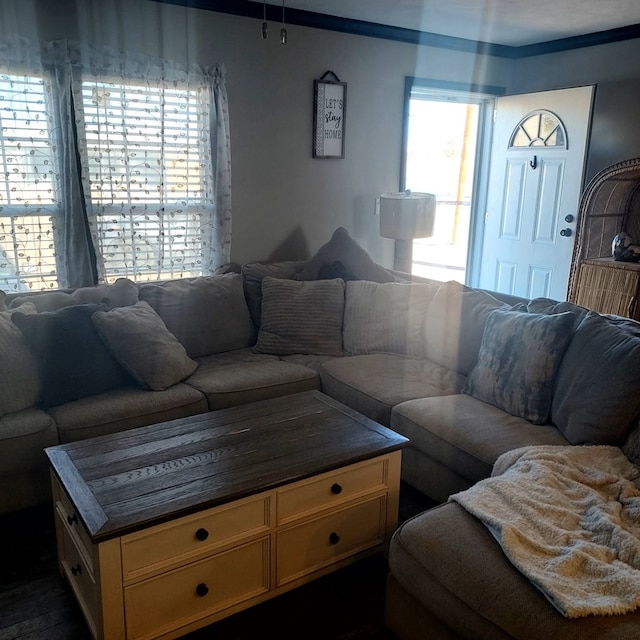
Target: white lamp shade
column 405, row 216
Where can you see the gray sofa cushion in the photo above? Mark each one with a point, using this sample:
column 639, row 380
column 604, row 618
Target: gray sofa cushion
column 449, row 562
column 123, row 409
column 207, row 315
column 519, row 356
column 455, row 324
column 19, row 375
column 465, row 434
column 344, row 249
column 253, row 273
column 301, row 317
column 142, row 344
column 121, row 293
column 23, row 437
column 597, row 390
column 73, row 360
column 386, row 318
column 232, row 384
column 373, row 384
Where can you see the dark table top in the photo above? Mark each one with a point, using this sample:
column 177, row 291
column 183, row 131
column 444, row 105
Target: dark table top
column 126, row 481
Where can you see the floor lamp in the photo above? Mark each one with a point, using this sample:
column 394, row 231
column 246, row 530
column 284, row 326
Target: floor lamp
column 405, row 216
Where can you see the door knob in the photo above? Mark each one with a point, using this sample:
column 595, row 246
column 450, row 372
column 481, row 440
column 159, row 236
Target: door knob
column 569, row 217
column 565, row 232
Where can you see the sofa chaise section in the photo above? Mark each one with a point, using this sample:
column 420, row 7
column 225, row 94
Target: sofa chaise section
column 450, row 579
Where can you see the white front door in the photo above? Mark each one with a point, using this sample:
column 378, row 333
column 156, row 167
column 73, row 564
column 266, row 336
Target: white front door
column 535, row 181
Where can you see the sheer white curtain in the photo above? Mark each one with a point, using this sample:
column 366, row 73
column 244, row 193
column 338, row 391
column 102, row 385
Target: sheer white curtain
column 154, row 149
column 114, row 165
column 30, row 204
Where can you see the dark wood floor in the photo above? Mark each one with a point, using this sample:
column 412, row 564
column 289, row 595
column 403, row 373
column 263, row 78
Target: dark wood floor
column 37, row 604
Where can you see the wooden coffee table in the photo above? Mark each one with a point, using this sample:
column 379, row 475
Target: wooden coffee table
column 170, row 527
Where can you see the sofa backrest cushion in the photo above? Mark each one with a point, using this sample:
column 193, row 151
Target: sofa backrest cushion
column 74, row 362
column 121, row 293
column 140, row 341
column 252, row 275
column 353, row 258
column 597, row 390
column 208, row 314
column 19, row 375
column 455, row 324
column 301, row 317
column 519, row 356
column 385, row 317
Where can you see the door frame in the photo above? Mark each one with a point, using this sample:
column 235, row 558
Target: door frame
column 487, row 94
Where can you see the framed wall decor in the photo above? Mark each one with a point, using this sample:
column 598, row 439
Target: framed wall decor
column 329, row 113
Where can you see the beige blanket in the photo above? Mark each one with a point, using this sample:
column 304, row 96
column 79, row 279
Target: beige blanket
column 569, row 519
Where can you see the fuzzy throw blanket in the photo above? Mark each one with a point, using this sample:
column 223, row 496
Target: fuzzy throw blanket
column 568, row 517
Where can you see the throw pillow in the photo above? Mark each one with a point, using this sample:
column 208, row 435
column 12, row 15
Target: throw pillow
column 19, row 375
column 344, row 249
column 142, row 344
column 301, row 317
column 207, row 315
column 74, row 362
column 121, row 293
column 253, row 273
column 386, row 317
column 597, row 391
column 454, row 325
column 518, row 360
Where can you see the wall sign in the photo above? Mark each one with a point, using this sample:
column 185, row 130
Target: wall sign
column 329, row 111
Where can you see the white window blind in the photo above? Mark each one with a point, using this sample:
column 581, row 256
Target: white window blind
column 28, row 202
column 145, row 147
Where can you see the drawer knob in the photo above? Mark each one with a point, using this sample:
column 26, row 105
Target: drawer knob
column 202, row 534
column 336, row 489
column 72, row 519
column 202, row 589
column 334, row 538
column 76, row 570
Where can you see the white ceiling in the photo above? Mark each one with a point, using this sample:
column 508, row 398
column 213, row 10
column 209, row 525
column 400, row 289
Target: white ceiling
column 506, row 22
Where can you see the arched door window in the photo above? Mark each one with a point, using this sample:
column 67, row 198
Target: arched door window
column 539, row 129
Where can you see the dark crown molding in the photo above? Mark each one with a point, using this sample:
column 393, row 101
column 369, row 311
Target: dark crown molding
column 303, row 18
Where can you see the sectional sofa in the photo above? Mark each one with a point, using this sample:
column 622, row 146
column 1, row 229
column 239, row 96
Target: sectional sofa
column 466, row 375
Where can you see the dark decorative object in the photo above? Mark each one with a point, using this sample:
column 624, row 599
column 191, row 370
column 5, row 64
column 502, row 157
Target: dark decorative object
column 329, row 113
column 623, row 248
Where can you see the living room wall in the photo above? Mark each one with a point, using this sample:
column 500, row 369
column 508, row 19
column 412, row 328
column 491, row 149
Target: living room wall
column 285, row 203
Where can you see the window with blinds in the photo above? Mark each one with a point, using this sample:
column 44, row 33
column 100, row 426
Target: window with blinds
column 28, row 201
column 143, row 180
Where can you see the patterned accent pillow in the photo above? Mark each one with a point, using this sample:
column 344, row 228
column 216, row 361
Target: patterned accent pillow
column 301, row 317
column 519, row 356
column 142, row 344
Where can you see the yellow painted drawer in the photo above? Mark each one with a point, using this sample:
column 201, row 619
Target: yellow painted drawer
column 176, row 542
column 185, row 595
column 69, row 517
column 81, row 579
column 312, row 545
column 330, row 489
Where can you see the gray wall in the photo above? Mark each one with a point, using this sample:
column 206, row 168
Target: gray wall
column 285, row 203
